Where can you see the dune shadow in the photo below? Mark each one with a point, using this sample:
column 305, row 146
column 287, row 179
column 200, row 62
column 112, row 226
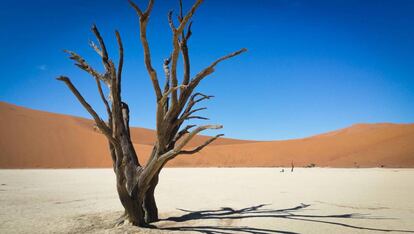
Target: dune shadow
column 260, row 211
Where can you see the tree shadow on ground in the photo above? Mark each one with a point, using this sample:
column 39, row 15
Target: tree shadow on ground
column 260, row 211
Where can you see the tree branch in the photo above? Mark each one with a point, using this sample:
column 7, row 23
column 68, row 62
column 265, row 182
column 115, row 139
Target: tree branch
column 201, row 75
column 184, row 47
column 193, row 101
column 189, row 32
column 183, row 132
column 176, row 47
column 188, row 115
column 121, row 59
column 203, row 97
column 180, row 16
column 190, row 136
column 112, row 77
column 118, row 107
column 169, row 91
column 210, row 69
column 186, row 59
column 104, row 52
column 143, row 20
column 200, row 147
column 196, row 117
column 96, row 48
column 139, row 11
column 108, row 109
column 136, row 8
column 99, row 122
column 171, row 21
column 198, row 109
column 166, row 67
column 188, row 16
column 82, row 64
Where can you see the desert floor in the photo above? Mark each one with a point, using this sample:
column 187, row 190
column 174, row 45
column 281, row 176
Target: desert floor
column 214, row 200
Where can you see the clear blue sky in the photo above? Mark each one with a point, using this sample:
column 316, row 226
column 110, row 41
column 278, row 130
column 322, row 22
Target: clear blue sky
column 312, row 66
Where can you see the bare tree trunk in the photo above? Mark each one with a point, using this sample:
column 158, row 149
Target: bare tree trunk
column 127, row 170
column 132, row 204
column 150, row 206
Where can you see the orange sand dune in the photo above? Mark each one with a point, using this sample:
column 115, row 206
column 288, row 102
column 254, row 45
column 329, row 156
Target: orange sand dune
column 37, row 139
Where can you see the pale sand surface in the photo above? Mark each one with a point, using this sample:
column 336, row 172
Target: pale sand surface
column 85, row 200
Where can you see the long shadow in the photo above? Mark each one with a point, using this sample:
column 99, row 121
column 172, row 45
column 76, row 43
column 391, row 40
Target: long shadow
column 225, row 230
column 260, row 211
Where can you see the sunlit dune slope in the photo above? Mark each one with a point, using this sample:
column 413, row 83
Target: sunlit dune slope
column 33, row 139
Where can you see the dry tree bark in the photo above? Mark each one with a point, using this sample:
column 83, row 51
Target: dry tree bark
column 175, row 104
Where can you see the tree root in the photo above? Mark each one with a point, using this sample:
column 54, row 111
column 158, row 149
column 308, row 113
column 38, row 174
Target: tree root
column 121, row 220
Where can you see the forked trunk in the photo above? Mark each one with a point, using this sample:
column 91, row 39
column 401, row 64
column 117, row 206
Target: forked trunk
column 140, row 211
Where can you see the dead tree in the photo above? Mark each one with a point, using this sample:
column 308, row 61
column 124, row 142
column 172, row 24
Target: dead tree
column 176, row 103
